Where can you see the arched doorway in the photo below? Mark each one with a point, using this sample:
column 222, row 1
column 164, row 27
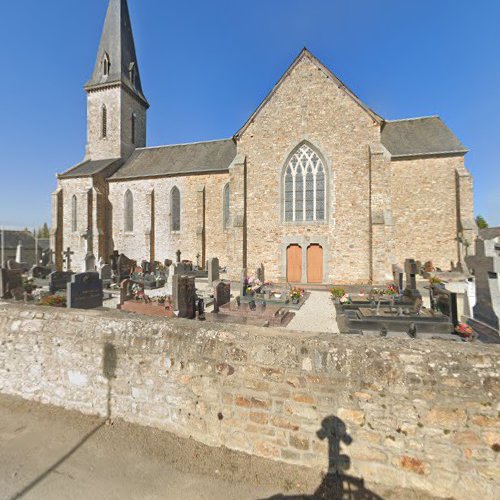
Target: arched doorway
column 294, row 264
column 315, row 264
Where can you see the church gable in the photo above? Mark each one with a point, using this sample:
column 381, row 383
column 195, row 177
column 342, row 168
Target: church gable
column 303, row 64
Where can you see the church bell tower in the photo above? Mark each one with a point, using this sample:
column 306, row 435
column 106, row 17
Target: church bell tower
column 116, row 106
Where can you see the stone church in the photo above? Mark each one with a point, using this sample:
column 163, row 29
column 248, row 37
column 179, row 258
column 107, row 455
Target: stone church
column 316, row 186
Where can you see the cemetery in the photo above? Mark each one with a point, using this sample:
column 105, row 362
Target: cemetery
column 421, row 301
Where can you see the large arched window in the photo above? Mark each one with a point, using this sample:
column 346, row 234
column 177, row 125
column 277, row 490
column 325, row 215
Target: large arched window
column 304, row 187
column 226, row 210
column 175, row 208
column 104, row 125
column 128, row 211
column 74, row 214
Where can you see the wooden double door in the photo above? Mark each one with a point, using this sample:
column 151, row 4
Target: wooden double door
column 314, row 263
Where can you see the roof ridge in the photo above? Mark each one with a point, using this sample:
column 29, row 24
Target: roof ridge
column 184, row 144
column 411, row 119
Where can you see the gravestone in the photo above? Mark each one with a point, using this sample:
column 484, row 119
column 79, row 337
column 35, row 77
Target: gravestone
column 486, row 266
column 14, row 265
column 222, row 294
column 178, row 255
column 19, row 252
column 397, row 274
column 58, row 280
column 175, row 291
column 146, row 266
column 187, row 297
column 213, row 271
column 39, row 272
column 106, row 274
column 114, row 260
column 124, row 267
column 10, row 280
column 85, row 291
column 89, row 263
column 411, row 291
column 67, row 258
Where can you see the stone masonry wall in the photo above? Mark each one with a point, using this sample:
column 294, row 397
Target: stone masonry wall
column 135, row 245
column 310, row 106
column 420, row 414
column 425, row 210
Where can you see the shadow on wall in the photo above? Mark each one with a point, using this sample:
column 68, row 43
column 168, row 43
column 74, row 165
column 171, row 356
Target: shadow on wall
column 336, row 484
column 109, row 362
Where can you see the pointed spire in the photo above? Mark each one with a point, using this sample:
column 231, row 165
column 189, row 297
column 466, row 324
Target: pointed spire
column 116, row 58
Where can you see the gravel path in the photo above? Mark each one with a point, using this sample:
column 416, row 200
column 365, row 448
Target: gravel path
column 316, row 315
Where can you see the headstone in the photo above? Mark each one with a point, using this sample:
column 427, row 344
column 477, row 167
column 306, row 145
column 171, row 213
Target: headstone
column 397, row 274
column 89, row 264
column 175, row 291
column 259, row 273
column 67, row 258
column 124, row 266
column 146, row 266
column 213, row 271
column 58, row 280
column 14, row 265
column 486, row 266
column 411, row 291
column 10, row 280
column 19, row 252
column 222, row 294
column 178, row 255
column 106, row 274
column 167, row 263
column 40, row 272
column 85, row 291
column 187, row 297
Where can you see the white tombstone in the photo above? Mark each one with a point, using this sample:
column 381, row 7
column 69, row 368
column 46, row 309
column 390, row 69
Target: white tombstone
column 19, row 252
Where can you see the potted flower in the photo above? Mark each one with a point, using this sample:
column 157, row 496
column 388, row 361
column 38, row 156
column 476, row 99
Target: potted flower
column 465, row 332
column 296, row 294
column 337, row 293
column 345, row 299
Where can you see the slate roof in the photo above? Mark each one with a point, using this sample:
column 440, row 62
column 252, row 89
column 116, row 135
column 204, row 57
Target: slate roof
column 89, row 168
column 489, row 233
column 117, row 41
column 180, row 159
column 427, row 136
column 12, row 238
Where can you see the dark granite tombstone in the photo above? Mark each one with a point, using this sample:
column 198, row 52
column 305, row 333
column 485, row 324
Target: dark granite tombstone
column 40, row 272
column 178, row 255
column 9, row 282
column 146, row 266
column 445, row 302
column 411, row 292
column 58, row 280
column 213, row 271
column 187, row 297
column 222, row 294
column 85, row 291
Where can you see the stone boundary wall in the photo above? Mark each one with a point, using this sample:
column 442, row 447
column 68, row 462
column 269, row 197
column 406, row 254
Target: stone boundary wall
column 417, row 413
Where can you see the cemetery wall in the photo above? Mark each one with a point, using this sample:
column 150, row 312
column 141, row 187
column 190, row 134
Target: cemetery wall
column 425, row 210
column 310, row 106
column 136, row 244
column 417, row 413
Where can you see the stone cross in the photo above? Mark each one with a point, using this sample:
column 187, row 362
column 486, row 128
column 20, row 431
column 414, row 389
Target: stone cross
column 178, row 254
column 67, row 256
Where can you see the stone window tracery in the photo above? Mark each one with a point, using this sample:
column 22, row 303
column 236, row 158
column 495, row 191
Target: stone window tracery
column 304, row 187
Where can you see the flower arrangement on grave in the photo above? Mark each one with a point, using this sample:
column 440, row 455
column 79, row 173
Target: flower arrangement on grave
column 29, row 286
column 253, row 285
column 434, row 280
column 296, row 294
column 464, row 330
column 345, row 299
column 337, row 292
column 391, row 290
column 53, row 301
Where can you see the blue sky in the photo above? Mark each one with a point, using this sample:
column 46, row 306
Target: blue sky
column 206, row 66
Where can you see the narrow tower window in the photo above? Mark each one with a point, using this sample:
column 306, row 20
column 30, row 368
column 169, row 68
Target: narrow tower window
column 132, row 127
column 106, row 65
column 176, row 209
column 128, row 212
column 74, row 214
column 132, row 73
column 104, row 131
column 226, row 206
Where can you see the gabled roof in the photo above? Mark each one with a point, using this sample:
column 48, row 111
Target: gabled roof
column 303, row 54
column 12, row 238
column 117, row 42
column 427, row 136
column 88, row 168
column 489, row 233
column 180, row 159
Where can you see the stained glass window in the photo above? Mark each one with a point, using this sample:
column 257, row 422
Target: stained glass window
column 305, row 187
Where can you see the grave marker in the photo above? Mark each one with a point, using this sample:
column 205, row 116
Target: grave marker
column 58, row 280
column 222, row 294
column 187, row 297
column 85, row 291
column 213, row 271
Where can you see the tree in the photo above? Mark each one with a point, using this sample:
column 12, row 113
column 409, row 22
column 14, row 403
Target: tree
column 481, row 222
column 45, row 231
